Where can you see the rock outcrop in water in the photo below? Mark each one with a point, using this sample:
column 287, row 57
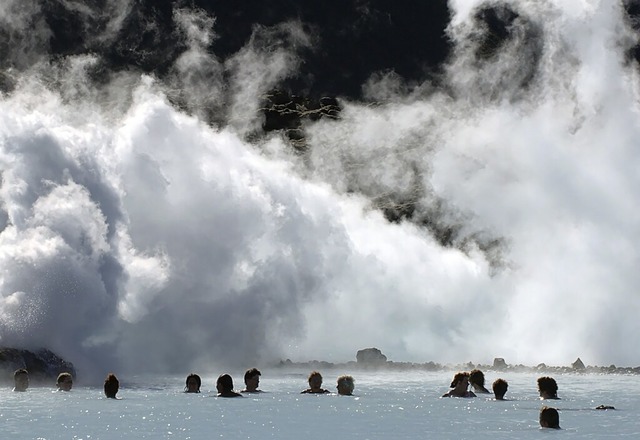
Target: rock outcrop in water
column 43, row 365
column 370, row 356
column 373, row 359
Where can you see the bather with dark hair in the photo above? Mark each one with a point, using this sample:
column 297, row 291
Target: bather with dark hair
column 20, row 380
column 252, row 381
column 345, row 385
column 64, row 382
column 549, row 418
column 224, row 385
column 476, row 380
column 111, row 386
column 315, row 384
column 547, row 387
column 460, row 383
column 500, row 388
column 192, row 384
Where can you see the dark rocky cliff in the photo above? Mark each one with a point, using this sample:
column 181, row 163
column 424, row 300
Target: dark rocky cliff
column 43, row 365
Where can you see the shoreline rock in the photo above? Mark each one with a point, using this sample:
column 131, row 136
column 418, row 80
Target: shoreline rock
column 372, row 359
column 43, row 365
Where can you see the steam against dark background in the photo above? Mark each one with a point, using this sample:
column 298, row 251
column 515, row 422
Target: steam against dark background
column 470, row 194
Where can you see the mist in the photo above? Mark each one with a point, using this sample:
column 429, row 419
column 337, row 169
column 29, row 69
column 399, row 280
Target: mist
column 147, row 225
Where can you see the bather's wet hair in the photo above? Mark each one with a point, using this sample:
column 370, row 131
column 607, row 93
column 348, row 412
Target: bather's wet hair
column 197, row 379
column 251, row 373
column 111, row 386
column 549, row 417
column 226, row 382
column 314, row 375
column 347, row 382
column 458, row 377
column 500, row 388
column 548, row 386
column 64, row 376
column 476, row 377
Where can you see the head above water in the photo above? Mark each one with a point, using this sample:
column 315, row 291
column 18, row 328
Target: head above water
column 476, row 377
column 64, row 382
column 193, row 383
column 224, row 384
column 459, row 378
column 549, row 418
column 111, row 386
column 500, row 388
column 345, row 385
column 547, row 387
column 315, row 380
column 252, row 379
column 21, row 380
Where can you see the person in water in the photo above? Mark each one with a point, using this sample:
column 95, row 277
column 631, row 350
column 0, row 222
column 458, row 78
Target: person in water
column 111, row 386
column 64, row 382
column 460, row 383
column 252, row 381
column 476, row 380
column 345, row 385
column 547, row 387
column 20, row 380
column 224, row 385
column 549, row 418
column 315, row 384
column 192, row 384
column 500, row 388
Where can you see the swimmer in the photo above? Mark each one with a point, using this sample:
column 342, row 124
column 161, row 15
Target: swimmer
column 252, row 381
column 460, row 383
column 111, row 386
column 345, row 385
column 315, row 384
column 548, row 388
column 224, row 385
column 21, row 380
column 500, row 388
column 549, row 418
column 476, row 380
column 64, row 382
column 192, row 384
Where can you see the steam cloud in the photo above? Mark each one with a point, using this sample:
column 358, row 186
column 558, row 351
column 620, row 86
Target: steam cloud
column 137, row 234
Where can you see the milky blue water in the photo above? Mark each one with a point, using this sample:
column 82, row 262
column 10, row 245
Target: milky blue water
column 385, row 405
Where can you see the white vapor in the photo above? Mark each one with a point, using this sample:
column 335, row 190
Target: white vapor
column 133, row 234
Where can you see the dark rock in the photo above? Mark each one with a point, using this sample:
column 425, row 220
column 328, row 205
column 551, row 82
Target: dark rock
column 578, row 365
column 43, row 365
column 499, row 364
column 370, row 356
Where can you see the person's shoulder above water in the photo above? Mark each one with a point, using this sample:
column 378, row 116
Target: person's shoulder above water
column 464, row 394
column 310, row 391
